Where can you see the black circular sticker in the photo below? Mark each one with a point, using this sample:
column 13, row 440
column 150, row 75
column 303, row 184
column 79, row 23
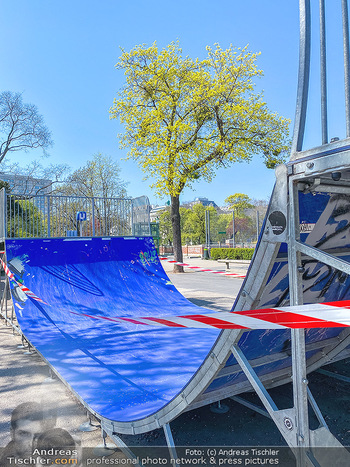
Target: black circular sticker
column 278, row 222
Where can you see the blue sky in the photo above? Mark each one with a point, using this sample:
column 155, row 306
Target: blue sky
column 61, row 56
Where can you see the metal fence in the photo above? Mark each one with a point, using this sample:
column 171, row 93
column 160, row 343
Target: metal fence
column 57, row 216
column 232, row 230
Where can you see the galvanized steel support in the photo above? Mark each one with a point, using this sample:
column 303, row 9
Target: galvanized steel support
column 323, row 257
column 304, row 72
column 323, row 69
column 297, row 335
column 293, row 423
column 170, row 442
column 120, row 444
column 303, row 78
column 345, row 17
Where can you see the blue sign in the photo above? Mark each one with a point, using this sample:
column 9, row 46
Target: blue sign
column 81, row 216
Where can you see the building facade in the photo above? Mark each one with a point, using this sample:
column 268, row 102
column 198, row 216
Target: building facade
column 26, row 185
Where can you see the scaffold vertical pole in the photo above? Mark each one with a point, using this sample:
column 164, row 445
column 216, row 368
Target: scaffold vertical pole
column 303, row 78
column 345, row 18
column 323, row 69
column 300, row 394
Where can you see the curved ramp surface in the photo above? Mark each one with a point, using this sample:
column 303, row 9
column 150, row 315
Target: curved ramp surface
column 122, row 372
column 138, row 378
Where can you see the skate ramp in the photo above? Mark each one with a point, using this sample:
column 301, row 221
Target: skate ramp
column 137, row 378
column 122, row 372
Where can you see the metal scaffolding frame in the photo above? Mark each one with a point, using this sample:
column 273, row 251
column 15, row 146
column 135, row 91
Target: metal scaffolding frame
column 313, row 172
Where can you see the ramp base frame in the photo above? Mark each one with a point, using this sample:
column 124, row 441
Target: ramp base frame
column 293, row 423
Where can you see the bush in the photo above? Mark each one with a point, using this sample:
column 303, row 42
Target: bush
column 231, row 253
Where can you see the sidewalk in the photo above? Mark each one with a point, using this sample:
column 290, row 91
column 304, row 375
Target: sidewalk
column 237, row 267
column 24, row 378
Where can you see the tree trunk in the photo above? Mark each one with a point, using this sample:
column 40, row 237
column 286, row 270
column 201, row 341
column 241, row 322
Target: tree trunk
column 175, row 222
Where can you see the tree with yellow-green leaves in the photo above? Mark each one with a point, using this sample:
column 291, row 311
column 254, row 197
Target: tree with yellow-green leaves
column 185, row 118
column 239, row 202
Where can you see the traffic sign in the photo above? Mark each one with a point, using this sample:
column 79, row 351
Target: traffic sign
column 81, row 216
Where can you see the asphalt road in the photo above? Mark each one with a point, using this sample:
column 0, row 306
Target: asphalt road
column 214, row 291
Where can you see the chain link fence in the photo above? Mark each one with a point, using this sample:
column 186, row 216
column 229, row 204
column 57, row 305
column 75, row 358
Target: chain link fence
column 219, row 228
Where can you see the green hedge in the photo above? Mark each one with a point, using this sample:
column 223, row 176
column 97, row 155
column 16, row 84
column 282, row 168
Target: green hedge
column 231, row 253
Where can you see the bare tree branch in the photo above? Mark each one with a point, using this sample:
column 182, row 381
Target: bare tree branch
column 34, row 178
column 21, row 126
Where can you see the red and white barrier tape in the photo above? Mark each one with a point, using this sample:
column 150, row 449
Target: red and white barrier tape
column 316, row 315
column 202, row 269
column 21, row 286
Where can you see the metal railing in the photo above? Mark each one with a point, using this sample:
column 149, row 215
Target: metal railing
column 24, row 216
